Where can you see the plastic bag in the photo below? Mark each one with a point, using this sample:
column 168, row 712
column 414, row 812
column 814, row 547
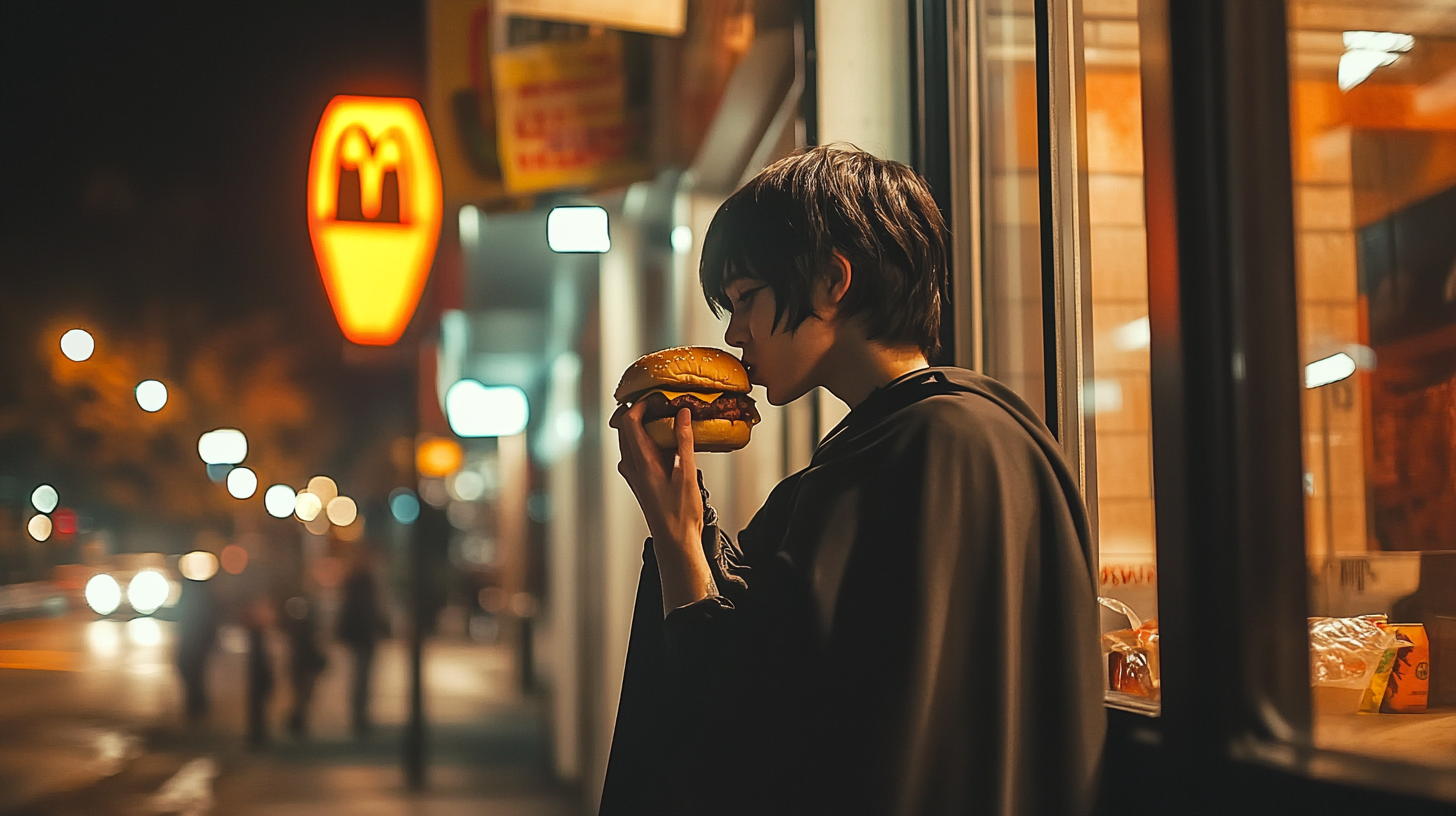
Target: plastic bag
column 1344, row 655
column 1345, row 652
column 1132, row 654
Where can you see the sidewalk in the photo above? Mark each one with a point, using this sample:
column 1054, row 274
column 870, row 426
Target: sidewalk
column 487, row 755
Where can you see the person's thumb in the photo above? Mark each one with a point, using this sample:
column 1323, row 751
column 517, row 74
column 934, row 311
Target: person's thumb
column 683, row 426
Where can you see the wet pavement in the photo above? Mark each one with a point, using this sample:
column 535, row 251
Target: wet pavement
column 92, row 726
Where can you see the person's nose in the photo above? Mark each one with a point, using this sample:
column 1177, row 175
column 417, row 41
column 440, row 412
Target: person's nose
column 737, row 335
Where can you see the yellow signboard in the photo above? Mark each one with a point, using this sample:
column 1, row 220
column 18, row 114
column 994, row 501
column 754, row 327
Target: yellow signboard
column 561, row 113
column 662, row 17
column 374, row 261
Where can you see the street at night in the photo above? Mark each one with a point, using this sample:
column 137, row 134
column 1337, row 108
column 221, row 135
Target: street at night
column 727, row 407
column 91, row 726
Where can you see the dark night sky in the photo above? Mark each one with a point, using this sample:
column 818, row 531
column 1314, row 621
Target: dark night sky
column 157, row 151
column 155, row 162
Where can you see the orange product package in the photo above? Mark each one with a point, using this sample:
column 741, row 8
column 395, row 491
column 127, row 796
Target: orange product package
column 1132, row 660
column 1410, row 679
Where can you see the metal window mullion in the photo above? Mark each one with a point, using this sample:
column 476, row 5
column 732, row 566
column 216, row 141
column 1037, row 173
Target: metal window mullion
column 966, row 163
column 1066, row 237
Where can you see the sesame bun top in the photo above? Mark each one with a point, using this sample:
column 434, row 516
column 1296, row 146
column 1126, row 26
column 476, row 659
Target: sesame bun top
column 686, row 368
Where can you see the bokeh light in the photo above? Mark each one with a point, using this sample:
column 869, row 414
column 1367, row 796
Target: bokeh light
column 147, row 591
column 151, row 395
column 467, row 485
column 342, row 511
column 224, row 446
column 144, row 632
column 578, row 229
column 319, row 526
column 404, row 506
column 682, row 238
column 45, row 498
column 474, row 409
column 353, row 532
column 279, row 500
column 39, row 527
column 78, row 345
column 307, row 506
column 198, row 565
column 437, row 457
column 103, row 594
column 242, row 483
column 234, row 559
column 324, row 488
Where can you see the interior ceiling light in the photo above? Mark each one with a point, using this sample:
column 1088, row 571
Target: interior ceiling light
column 1367, row 50
column 1331, row 369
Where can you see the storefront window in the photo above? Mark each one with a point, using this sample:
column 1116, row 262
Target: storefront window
column 1012, row 258
column 1117, row 378
column 1373, row 122
column 1100, row 75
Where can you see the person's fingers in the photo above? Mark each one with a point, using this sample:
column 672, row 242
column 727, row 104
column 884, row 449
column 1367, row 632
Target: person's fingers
column 683, row 426
column 644, row 450
column 616, row 420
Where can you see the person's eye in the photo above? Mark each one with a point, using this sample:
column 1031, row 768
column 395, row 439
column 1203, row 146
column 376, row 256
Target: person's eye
column 745, row 298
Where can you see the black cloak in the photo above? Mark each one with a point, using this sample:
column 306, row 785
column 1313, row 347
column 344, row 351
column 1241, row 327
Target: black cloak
column 907, row 626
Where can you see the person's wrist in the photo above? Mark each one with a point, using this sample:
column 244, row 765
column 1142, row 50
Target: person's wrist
column 681, row 541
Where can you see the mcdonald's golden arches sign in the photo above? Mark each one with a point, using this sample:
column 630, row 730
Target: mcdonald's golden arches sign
column 374, row 209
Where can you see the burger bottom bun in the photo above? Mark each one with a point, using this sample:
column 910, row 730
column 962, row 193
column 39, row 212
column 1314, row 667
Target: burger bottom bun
column 709, row 435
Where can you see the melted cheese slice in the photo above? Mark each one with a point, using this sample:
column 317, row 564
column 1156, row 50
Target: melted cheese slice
column 672, row 395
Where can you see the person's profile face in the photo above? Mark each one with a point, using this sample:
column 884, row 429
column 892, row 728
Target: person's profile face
column 781, row 361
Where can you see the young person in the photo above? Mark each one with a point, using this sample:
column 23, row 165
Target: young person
column 908, row 625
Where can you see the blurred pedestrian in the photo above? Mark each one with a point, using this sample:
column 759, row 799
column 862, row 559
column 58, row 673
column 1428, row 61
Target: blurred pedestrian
column 361, row 625
column 258, row 618
column 197, row 623
column 306, row 659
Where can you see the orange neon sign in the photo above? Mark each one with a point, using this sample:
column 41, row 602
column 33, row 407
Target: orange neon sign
column 373, row 266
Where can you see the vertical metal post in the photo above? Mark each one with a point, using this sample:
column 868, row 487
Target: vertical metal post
column 414, row 735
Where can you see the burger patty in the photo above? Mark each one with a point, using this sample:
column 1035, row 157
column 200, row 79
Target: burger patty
column 729, row 406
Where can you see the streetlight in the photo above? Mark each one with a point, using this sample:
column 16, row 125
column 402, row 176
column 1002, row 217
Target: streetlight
column 279, row 501
column 242, row 483
column 151, row 395
column 224, row 446
column 44, row 498
column 78, row 345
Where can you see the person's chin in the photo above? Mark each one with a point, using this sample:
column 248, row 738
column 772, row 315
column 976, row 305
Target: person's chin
column 780, row 395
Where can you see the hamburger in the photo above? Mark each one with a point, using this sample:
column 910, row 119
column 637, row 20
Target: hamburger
column 710, row 383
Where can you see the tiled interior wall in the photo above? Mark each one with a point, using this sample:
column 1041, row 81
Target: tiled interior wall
column 1120, row 372
column 1329, row 304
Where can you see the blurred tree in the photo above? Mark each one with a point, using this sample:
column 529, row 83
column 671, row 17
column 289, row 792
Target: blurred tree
column 83, row 421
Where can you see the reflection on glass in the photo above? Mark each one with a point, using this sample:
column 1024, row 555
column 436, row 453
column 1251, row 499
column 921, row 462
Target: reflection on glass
column 1012, row 254
column 1120, row 396
column 1373, row 121
column 1117, row 380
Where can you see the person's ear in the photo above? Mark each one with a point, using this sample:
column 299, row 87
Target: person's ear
column 829, row 291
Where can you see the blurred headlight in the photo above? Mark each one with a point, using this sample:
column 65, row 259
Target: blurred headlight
column 147, row 591
column 103, row 594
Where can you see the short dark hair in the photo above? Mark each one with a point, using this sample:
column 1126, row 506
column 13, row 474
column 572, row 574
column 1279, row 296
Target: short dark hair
column 783, row 226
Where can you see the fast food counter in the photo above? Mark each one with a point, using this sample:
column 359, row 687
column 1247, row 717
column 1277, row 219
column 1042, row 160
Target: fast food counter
column 1427, row 739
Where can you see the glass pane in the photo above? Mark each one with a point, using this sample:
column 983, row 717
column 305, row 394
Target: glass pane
column 1118, row 382
column 1012, row 256
column 1121, row 492
column 1373, row 120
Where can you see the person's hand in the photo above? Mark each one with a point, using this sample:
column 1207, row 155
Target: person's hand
column 665, row 483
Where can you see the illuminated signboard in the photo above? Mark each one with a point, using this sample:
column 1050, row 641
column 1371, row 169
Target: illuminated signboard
column 374, row 254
